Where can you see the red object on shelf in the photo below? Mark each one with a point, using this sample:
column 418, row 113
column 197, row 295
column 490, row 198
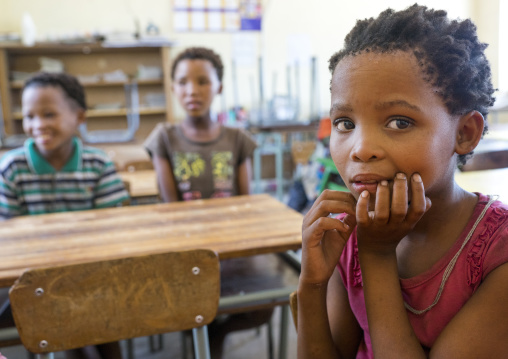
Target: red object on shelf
column 325, row 128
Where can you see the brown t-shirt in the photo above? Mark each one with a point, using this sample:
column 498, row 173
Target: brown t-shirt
column 202, row 169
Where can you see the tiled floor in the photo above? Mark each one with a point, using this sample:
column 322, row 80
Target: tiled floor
column 248, row 344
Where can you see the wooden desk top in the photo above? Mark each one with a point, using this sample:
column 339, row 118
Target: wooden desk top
column 234, row 227
column 143, row 183
column 486, row 182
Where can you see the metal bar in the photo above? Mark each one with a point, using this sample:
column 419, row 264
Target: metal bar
column 46, row 356
column 283, row 342
column 264, row 295
column 9, row 334
column 201, row 345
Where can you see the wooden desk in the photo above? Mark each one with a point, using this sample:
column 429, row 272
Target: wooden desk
column 234, row 227
column 486, row 182
column 142, row 183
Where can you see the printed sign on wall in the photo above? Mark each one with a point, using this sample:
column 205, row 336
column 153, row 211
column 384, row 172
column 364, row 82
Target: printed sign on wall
column 217, row 15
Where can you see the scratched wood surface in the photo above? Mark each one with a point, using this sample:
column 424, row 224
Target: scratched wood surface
column 100, row 302
column 233, row 227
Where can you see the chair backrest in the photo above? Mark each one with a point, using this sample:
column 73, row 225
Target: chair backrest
column 72, row 306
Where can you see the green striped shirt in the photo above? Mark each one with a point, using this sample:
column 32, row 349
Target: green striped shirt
column 30, row 185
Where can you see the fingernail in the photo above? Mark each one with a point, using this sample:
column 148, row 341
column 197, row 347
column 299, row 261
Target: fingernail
column 401, row 176
column 417, row 177
column 384, row 183
column 345, row 225
column 365, row 194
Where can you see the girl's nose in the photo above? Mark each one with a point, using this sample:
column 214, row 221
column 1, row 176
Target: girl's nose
column 366, row 146
column 190, row 87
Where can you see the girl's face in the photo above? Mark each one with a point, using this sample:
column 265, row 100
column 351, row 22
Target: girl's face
column 386, row 119
column 195, row 85
column 50, row 118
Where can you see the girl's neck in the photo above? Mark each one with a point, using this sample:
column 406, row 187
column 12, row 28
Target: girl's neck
column 436, row 233
column 201, row 129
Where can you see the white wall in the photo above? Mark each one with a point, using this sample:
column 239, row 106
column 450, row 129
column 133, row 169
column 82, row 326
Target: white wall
column 324, row 22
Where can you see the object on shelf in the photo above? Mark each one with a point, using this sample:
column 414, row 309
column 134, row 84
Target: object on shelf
column 10, row 37
column 89, row 79
column 29, row 30
column 20, row 76
column 115, row 76
column 51, row 65
column 149, row 72
column 283, row 108
column 113, row 135
column 155, row 99
column 108, row 106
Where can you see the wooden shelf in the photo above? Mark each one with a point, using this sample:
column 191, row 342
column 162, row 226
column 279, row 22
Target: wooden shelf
column 19, row 84
column 18, row 116
column 83, row 61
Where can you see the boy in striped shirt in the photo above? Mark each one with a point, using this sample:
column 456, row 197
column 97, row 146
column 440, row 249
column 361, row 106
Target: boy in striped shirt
column 54, row 171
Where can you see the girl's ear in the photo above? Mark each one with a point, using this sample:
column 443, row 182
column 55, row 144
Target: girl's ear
column 469, row 132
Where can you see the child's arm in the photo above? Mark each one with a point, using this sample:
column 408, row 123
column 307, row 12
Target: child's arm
column 480, row 328
column 324, row 239
column 9, row 202
column 379, row 233
column 165, row 179
column 244, row 176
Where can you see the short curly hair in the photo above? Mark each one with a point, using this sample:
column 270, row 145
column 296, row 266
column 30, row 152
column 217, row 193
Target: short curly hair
column 68, row 83
column 448, row 51
column 199, row 53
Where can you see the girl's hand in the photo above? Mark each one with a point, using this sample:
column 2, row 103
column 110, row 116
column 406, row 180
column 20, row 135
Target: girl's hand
column 381, row 230
column 324, row 237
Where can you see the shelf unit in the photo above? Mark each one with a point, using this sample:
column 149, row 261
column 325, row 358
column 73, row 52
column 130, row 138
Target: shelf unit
column 87, row 60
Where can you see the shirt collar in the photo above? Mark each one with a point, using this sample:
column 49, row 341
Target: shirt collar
column 39, row 165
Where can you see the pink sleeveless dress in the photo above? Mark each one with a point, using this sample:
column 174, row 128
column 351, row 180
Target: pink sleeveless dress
column 486, row 249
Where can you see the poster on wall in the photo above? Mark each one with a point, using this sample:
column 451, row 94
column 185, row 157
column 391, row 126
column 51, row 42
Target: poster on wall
column 217, row 15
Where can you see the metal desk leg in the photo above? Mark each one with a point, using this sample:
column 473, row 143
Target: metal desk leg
column 46, row 356
column 279, row 166
column 257, row 170
column 283, row 342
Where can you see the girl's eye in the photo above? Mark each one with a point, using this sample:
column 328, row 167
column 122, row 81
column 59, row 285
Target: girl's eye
column 344, row 125
column 49, row 114
column 399, row 124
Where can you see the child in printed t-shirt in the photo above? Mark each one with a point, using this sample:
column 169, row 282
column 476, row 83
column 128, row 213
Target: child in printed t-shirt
column 54, row 171
column 200, row 158
column 414, row 266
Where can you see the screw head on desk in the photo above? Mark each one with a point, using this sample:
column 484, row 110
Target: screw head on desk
column 39, row 292
column 195, row 270
column 43, row 344
column 199, row 318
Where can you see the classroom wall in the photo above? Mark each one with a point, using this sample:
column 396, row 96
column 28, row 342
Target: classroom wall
column 317, row 27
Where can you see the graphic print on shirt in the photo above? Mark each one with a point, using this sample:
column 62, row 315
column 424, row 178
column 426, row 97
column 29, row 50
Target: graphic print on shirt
column 188, row 165
column 222, row 171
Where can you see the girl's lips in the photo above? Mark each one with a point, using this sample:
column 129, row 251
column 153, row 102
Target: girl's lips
column 370, row 186
column 193, row 105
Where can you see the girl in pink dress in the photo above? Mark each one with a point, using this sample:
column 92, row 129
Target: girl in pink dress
column 414, row 266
